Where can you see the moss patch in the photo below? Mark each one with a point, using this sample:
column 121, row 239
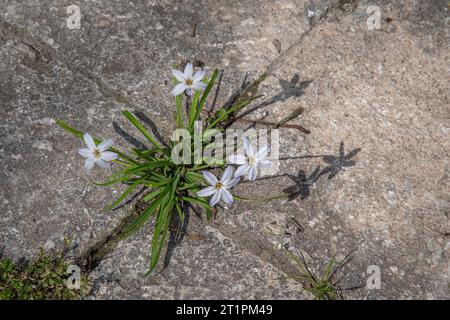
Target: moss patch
column 42, row 278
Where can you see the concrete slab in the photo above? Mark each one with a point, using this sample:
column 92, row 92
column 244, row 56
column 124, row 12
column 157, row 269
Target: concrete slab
column 382, row 91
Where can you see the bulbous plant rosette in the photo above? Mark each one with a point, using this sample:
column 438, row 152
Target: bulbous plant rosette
column 173, row 187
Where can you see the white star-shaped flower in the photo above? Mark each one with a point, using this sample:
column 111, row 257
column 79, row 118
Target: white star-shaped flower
column 249, row 164
column 188, row 80
column 97, row 154
column 219, row 189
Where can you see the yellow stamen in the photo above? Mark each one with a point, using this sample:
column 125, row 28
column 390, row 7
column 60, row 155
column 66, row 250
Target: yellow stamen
column 97, row 153
column 189, row 82
column 218, row 185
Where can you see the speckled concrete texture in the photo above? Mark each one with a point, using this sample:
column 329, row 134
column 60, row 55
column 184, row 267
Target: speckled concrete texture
column 371, row 177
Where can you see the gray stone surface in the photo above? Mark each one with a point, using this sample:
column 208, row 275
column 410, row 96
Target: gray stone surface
column 383, row 91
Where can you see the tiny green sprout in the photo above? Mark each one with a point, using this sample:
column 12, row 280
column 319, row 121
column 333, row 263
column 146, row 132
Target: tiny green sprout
column 325, row 286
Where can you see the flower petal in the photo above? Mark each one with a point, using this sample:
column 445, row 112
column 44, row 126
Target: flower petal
column 232, row 182
column 252, row 173
column 178, row 75
column 189, row 91
column 210, row 178
column 89, row 163
column 188, row 71
column 242, row 170
column 179, row 88
column 89, row 141
column 227, row 175
column 265, row 163
column 215, row 198
column 102, row 164
column 248, row 148
column 198, row 75
column 85, row 152
column 262, row 153
column 105, row 145
column 226, row 196
column 206, row 192
column 108, row 156
column 199, row 86
column 237, row 159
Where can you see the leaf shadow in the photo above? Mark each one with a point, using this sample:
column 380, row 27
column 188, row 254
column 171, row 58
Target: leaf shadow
column 303, row 182
column 154, row 128
column 128, row 137
column 177, row 229
column 289, row 88
column 339, row 162
column 302, row 185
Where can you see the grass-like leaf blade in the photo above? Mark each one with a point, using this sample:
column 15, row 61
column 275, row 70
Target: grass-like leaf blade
column 124, row 195
column 206, row 93
column 144, row 216
column 141, row 128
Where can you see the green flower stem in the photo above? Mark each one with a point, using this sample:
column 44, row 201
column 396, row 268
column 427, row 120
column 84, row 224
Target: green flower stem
column 141, row 128
column 196, row 168
column 205, row 166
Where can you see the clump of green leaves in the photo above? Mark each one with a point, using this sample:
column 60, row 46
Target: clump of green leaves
column 325, row 286
column 43, row 278
column 172, row 187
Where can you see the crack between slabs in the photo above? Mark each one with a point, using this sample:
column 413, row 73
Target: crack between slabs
column 293, row 49
column 46, row 55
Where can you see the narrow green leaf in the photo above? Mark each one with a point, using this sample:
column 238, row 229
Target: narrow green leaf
column 124, row 195
column 69, row 129
column 205, row 93
column 179, row 103
column 179, row 115
column 147, row 166
column 194, row 175
column 140, row 220
column 242, row 198
column 222, row 114
column 187, row 186
column 193, row 110
column 194, row 200
column 162, row 225
column 203, row 203
column 141, row 128
column 208, row 214
column 119, row 173
column 149, row 197
column 159, row 233
column 153, row 184
column 111, row 182
column 144, row 216
column 159, row 176
column 159, row 236
column 179, row 211
column 145, row 154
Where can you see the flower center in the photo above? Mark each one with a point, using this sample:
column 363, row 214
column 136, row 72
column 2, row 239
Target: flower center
column 251, row 161
column 97, row 153
column 189, row 82
column 218, row 185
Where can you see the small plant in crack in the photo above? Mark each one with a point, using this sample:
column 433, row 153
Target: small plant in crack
column 325, row 286
column 175, row 182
